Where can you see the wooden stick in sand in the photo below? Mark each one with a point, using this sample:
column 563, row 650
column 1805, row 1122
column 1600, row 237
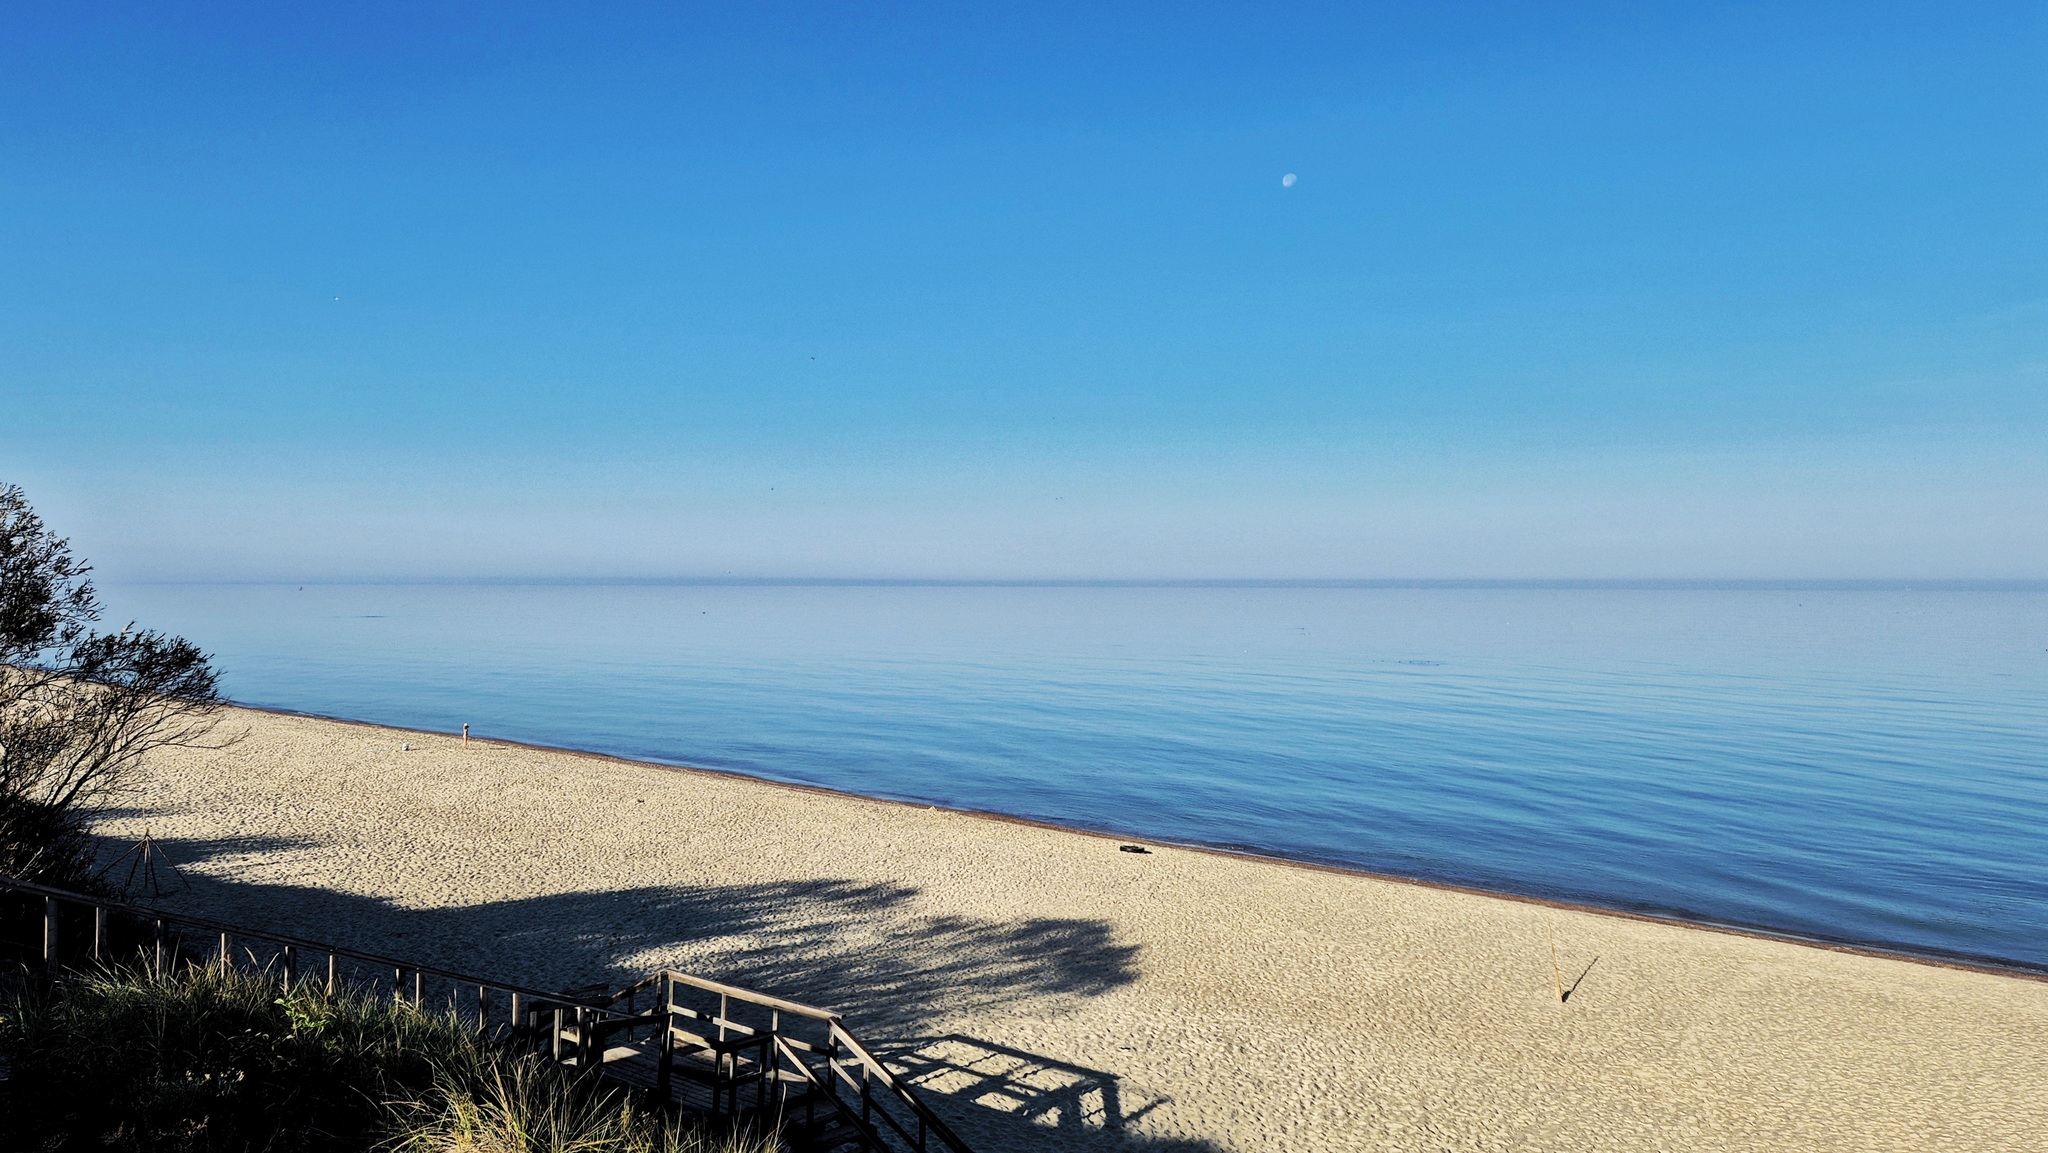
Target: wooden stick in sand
column 1556, row 974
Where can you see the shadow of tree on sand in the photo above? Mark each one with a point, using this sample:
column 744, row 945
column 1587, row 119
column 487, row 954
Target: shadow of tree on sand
column 864, row 948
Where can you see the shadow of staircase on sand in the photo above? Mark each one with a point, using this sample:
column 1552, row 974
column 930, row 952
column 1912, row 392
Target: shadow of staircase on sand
column 1000, row 1098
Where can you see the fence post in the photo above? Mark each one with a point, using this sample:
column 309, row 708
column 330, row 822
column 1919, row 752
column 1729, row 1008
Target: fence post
column 664, row 1072
column 291, row 966
column 50, row 935
column 159, row 941
column 333, row 974
column 99, row 932
column 227, row 954
column 832, row 1062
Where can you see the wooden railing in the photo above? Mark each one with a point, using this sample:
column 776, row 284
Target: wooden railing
column 803, row 1057
column 748, row 1055
column 496, row 1007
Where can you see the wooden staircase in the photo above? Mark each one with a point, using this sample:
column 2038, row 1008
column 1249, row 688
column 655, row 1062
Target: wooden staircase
column 689, row 1044
column 719, row 1050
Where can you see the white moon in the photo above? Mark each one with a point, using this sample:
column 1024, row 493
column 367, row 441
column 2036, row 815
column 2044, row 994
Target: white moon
column 1287, row 181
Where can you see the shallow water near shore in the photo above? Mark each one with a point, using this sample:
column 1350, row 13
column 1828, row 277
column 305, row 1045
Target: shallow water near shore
column 1861, row 764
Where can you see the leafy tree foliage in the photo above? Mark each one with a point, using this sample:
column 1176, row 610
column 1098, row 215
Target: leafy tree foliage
column 79, row 708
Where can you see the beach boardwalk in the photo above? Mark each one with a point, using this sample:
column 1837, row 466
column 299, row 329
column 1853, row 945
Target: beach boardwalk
column 690, row 1044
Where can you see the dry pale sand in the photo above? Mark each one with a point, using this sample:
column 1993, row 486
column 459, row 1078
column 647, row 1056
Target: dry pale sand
column 1076, row 997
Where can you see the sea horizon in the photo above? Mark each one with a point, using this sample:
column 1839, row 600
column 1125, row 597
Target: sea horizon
column 1962, row 584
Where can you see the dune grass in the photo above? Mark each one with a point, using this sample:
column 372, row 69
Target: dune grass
column 197, row 1061
column 513, row 1106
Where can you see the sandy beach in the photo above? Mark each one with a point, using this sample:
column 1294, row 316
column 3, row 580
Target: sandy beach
column 1059, row 994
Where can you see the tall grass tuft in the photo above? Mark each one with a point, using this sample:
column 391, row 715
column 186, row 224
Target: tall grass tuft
column 522, row 1104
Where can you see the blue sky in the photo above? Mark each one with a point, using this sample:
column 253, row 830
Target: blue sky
column 1625, row 290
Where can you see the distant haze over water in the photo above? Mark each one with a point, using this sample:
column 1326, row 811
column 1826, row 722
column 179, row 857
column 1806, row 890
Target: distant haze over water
column 1863, row 763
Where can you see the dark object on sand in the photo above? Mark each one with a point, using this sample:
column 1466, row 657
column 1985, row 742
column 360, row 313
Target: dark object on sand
column 1132, row 849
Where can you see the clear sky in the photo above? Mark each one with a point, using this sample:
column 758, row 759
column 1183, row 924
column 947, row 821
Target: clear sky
column 1621, row 290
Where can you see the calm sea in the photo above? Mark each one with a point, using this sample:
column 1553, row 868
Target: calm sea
column 1862, row 764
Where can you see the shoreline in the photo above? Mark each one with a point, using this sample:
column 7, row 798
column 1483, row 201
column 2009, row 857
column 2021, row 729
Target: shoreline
column 1936, row 958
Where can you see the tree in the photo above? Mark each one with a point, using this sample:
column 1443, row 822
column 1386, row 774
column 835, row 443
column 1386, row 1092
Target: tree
column 79, row 709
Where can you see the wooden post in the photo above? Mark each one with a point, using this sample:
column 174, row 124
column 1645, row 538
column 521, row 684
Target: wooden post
column 227, row 954
column 291, row 966
column 50, row 935
column 418, row 991
column 99, row 932
column 832, row 1060
column 159, row 957
column 664, row 1071
column 465, row 734
column 333, row 974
